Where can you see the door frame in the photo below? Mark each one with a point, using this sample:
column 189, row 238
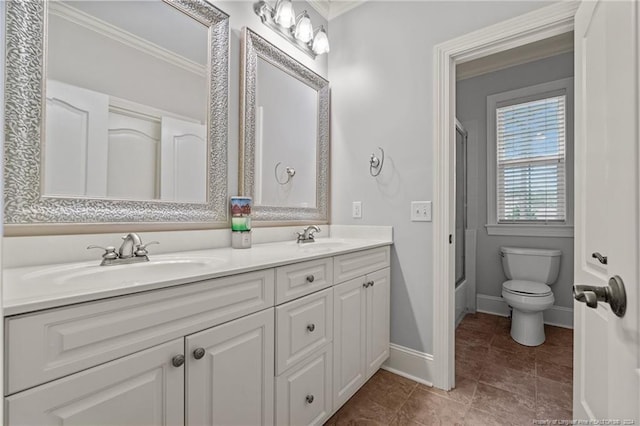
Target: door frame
column 540, row 24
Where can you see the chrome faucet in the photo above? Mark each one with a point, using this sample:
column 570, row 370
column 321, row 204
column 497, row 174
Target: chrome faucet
column 131, row 251
column 308, row 234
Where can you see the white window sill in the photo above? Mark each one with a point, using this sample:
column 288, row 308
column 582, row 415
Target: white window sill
column 530, row 230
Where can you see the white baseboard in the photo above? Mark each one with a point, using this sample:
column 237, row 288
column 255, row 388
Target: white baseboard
column 555, row 315
column 409, row 363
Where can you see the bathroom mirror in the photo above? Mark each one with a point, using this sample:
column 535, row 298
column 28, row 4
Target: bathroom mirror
column 284, row 146
column 115, row 118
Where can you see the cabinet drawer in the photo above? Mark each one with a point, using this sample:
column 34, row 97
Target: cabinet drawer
column 293, row 281
column 45, row 346
column 352, row 265
column 302, row 326
column 303, row 394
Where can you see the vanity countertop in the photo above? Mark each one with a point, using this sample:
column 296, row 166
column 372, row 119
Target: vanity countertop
column 35, row 288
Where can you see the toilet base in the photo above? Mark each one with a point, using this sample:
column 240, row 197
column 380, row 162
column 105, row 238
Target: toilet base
column 527, row 328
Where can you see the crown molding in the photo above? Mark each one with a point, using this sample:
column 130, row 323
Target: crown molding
column 103, row 28
column 320, row 6
column 330, row 9
column 542, row 49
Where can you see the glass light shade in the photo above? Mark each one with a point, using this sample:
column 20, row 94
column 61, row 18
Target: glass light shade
column 320, row 42
column 304, row 29
column 285, row 16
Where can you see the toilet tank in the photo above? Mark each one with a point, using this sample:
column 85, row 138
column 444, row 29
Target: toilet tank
column 539, row 265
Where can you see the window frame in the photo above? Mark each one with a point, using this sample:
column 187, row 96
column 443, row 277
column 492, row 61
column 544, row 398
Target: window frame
column 512, row 97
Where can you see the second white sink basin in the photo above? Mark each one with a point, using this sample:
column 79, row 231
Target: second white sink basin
column 322, row 245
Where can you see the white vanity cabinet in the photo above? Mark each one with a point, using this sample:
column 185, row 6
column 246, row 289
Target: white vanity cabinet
column 361, row 320
column 287, row 345
column 231, row 382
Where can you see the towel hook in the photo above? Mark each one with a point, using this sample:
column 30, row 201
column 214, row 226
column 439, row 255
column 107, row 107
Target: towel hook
column 376, row 163
column 291, row 172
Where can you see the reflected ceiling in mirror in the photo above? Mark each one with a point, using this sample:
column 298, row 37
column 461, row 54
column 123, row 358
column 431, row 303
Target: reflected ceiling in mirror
column 285, row 135
column 116, row 113
column 124, row 94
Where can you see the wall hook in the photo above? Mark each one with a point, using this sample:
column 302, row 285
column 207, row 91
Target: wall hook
column 376, row 163
column 291, row 172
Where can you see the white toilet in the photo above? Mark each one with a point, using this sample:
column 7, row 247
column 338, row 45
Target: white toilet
column 530, row 272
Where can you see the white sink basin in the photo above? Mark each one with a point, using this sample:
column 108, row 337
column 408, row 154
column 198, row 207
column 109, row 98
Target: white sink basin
column 322, row 245
column 94, row 275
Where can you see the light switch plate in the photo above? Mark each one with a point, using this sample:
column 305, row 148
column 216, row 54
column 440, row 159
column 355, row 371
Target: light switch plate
column 421, row 211
column 356, row 210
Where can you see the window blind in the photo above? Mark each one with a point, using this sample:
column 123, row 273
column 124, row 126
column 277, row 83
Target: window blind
column 531, row 161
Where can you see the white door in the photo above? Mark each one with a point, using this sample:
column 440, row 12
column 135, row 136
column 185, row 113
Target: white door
column 183, row 161
column 349, row 339
column 606, row 348
column 378, row 321
column 230, row 373
column 141, row 389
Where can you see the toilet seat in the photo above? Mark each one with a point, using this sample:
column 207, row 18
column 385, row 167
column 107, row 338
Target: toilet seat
column 526, row 288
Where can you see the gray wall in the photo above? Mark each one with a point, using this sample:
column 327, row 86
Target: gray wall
column 471, row 104
column 381, row 74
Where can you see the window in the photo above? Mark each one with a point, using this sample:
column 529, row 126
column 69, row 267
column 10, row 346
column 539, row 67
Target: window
column 528, row 167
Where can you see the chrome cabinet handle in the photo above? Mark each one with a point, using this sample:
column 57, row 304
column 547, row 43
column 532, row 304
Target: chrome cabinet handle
column 602, row 259
column 310, row 278
column 198, row 353
column 309, row 399
column 372, row 282
column 177, row 360
column 311, row 328
column 365, row 285
column 614, row 294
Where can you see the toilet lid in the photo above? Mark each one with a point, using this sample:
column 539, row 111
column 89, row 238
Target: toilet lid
column 528, row 288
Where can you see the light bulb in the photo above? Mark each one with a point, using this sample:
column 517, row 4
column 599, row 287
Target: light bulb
column 285, row 15
column 320, row 42
column 304, row 29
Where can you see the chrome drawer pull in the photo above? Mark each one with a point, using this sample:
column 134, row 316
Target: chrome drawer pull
column 311, row 327
column 310, row 278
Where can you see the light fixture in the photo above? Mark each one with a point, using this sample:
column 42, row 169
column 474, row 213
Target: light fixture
column 320, row 43
column 284, row 14
column 297, row 29
column 303, row 30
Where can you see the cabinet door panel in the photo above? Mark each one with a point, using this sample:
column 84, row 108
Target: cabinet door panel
column 349, row 339
column 141, row 389
column 303, row 393
column 232, row 384
column 378, row 322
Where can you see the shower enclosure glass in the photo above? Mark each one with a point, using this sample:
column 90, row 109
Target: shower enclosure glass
column 461, row 201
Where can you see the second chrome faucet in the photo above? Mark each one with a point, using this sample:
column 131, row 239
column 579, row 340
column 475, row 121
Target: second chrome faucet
column 131, row 251
column 308, row 234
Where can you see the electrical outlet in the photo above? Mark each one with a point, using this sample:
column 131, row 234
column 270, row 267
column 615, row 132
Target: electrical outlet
column 421, row 211
column 356, row 210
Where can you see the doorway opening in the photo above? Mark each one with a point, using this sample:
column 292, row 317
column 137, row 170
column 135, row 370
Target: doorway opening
column 543, row 24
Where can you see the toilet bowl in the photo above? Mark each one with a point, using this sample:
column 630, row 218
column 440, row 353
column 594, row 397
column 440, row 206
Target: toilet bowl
column 527, row 291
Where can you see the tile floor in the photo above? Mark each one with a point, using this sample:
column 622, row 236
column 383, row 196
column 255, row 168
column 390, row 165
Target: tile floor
column 498, row 382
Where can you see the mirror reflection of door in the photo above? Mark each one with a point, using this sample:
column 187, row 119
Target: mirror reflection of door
column 116, row 82
column 286, row 137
